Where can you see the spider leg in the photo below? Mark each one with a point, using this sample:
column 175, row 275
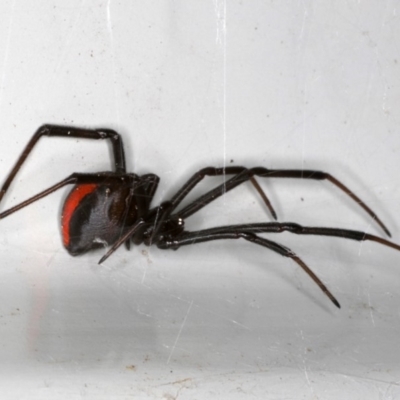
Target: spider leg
column 278, row 227
column 231, row 233
column 150, row 184
column 243, row 174
column 148, row 187
column 125, row 238
column 55, row 130
column 162, row 213
column 75, row 178
column 264, row 197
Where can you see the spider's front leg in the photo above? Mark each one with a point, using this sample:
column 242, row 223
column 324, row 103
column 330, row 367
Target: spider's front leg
column 243, row 174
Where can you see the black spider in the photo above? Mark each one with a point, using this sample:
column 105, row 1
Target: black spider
column 111, row 208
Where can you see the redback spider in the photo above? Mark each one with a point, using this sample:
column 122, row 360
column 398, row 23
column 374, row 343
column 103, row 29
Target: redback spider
column 111, row 208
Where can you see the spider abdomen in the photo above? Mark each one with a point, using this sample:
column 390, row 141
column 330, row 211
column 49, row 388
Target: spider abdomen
column 95, row 215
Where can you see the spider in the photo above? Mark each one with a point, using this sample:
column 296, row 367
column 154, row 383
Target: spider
column 113, row 207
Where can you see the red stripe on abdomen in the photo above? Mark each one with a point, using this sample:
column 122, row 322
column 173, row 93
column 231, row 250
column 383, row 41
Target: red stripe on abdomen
column 70, row 205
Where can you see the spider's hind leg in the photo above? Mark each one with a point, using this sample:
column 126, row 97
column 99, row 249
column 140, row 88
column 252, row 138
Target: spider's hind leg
column 188, row 238
column 69, row 132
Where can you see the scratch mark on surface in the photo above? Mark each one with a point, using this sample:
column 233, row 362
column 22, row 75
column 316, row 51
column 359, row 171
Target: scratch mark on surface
column 7, row 50
column 303, row 44
column 303, row 141
column 238, row 323
column 221, row 316
column 111, row 33
column 303, row 359
column 220, row 11
column 360, row 378
column 371, row 310
column 144, row 275
column 67, row 42
column 109, row 25
column 180, row 332
column 363, row 243
column 303, row 22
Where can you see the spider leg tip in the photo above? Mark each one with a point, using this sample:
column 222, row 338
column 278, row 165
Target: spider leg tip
column 336, row 303
column 383, row 226
column 102, row 259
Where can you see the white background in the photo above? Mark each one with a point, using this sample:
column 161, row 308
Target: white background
column 283, row 84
